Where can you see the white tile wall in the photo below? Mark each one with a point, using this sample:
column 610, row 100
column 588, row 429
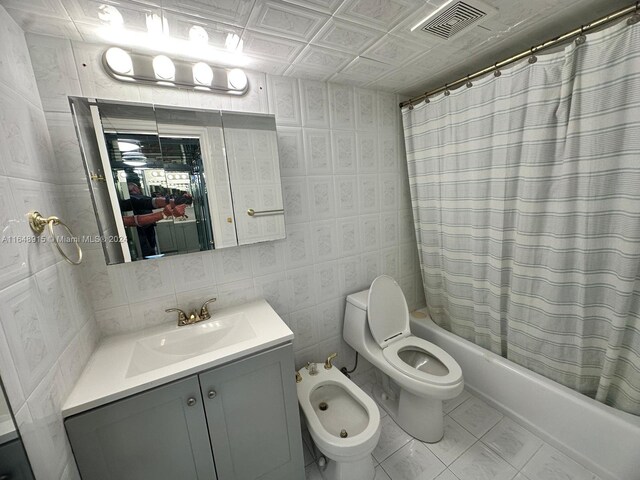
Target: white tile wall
column 47, row 332
column 347, row 207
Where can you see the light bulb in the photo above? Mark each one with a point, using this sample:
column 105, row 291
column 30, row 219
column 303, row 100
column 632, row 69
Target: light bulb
column 127, row 146
column 202, row 74
column 164, row 68
column 119, row 61
column 237, row 79
column 199, row 35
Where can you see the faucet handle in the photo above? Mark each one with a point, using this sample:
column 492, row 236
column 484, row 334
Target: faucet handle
column 204, row 311
column 182, row 317
column 328, row 364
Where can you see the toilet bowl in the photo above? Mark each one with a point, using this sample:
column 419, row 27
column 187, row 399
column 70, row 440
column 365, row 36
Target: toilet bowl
column 344, row 422
column 376, row 325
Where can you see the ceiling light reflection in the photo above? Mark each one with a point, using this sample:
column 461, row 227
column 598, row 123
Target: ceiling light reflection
column 176, row 47
column 111, row 16
column 198, row 35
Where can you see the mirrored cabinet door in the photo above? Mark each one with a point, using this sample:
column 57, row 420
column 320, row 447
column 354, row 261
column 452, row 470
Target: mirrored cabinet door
column 168, row 181
column 193, row 144
column 254, row 168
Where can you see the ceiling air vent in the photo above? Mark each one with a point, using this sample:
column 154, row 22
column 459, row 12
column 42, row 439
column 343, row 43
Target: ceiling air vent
column 456, row 17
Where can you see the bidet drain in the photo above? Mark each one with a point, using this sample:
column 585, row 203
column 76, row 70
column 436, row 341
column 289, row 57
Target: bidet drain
column 323, row 406
column 343, row 433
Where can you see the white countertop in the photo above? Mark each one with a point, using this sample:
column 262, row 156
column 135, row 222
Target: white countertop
column 104, row 379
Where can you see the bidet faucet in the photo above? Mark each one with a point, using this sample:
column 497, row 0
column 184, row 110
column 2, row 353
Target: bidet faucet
column 328, row 364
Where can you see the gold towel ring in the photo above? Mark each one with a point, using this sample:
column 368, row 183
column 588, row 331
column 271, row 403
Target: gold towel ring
column 37, row 223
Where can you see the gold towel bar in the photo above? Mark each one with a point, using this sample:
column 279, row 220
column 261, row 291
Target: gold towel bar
column 253, row 213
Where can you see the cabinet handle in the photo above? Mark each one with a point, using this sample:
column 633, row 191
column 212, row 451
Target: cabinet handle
column 191, row 401
column 212, row 394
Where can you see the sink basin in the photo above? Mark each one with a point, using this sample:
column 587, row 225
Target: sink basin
column 181, row 343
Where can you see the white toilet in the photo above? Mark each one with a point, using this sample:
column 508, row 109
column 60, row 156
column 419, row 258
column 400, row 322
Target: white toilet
column 344, row 422
column 376, row 325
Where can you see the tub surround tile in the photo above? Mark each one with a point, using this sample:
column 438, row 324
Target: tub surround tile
column 512, row 442
column 413, row 462
column 482, row 463
column 549, row 463
column 455, row 442
column 476, row 416
column 392, row 438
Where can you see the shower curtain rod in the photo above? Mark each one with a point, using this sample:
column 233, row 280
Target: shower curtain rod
column 543, row 46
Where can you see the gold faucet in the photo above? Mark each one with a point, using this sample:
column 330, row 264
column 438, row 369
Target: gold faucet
column 204, row 311
column 328, row 364
column 193, row 317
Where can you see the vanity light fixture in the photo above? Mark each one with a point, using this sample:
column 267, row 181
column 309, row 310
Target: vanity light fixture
column 162, row 70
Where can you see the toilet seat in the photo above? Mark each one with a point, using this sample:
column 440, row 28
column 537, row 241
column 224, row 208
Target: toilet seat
column 388, row 317
column 388, row 312
column 391, row 355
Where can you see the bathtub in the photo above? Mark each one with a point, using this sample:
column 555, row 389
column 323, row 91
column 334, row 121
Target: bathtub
column 603, row 439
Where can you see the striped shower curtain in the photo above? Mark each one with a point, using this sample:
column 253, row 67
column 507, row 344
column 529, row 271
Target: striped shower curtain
column 526, row 198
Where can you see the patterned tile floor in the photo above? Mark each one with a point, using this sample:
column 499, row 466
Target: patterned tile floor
column 479, row 443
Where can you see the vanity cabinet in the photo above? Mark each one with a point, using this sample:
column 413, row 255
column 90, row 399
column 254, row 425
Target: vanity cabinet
column 239, row 421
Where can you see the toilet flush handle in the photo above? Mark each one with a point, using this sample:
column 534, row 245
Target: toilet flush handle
column 327, row 364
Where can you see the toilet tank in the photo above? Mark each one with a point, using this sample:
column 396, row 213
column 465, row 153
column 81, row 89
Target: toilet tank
column 355, row 320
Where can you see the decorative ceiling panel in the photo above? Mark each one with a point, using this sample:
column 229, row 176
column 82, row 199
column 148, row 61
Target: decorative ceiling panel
column 286, row 20
column 395, row 50
column 45, row 8
column 235, row 12
column 271, row 47
column 323, row 59
column 346, row 36
column 383, row 14
column 324, row 6
column 355, row 42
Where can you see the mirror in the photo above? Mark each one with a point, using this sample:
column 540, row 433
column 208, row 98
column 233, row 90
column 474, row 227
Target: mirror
column 14, row 462
column 167, row 181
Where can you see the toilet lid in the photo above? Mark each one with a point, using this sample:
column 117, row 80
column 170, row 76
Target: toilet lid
column 388, row 311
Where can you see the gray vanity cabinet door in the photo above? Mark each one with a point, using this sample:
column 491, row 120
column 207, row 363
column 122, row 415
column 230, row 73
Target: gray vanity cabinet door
column 252, row 413
column 160, row 434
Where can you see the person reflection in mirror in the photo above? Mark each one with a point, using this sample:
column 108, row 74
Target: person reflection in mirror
column 152, row 218
column 143, row 218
